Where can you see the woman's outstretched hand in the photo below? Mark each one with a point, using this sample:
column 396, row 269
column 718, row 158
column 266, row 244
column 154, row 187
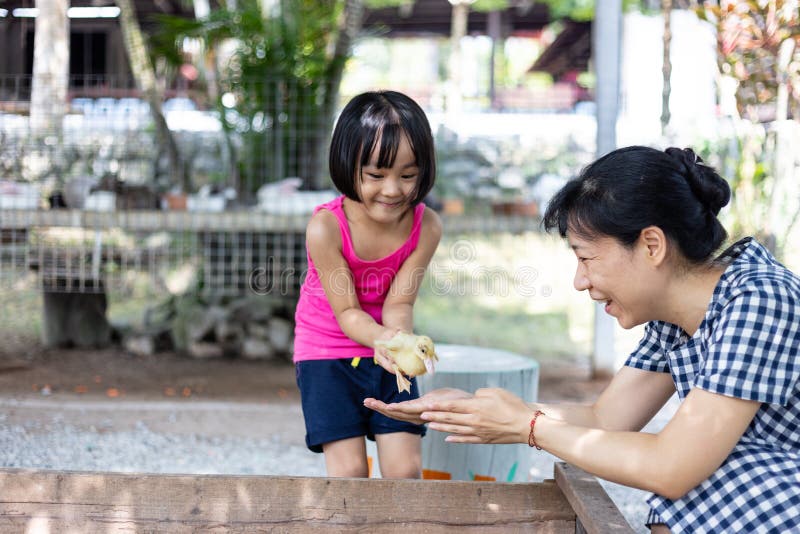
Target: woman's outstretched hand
column 492, row 415
column 411, row 410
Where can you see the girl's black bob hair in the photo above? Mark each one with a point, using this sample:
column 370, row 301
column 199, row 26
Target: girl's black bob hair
column 380, row 116
column 632, row 188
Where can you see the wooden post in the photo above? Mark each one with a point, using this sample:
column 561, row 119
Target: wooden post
column 606, row 47
column 597, row 513
column 50, row 68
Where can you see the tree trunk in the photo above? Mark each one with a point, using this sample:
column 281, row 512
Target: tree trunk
column 145, row 77
column 666, row 68
column 349, row 27
column 493, row 28
column 458, row 29
column 50, row 67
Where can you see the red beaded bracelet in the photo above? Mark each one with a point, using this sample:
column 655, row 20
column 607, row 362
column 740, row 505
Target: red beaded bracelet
column 531, row 439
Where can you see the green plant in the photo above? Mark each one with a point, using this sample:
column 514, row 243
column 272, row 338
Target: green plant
column 758, row 49
column 750, row 34
column 276, row 91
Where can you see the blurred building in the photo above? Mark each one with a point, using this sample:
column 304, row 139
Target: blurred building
column 97, row 53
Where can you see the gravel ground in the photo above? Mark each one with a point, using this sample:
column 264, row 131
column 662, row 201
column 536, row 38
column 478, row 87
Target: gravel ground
column 162, row 437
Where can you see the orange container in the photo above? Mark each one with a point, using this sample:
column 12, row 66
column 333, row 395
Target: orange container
column 432, row 474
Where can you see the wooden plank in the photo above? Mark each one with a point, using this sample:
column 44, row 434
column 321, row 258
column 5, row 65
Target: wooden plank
column 59, row 501
column 596, row 512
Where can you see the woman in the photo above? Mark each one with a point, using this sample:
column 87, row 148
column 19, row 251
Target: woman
column 723, row 331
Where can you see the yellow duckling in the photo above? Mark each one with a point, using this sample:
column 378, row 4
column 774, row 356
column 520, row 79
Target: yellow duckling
column 413, row 355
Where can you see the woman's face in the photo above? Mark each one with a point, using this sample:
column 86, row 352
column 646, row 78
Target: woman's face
column 616, row 276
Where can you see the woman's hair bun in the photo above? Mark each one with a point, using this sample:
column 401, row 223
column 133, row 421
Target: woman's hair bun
column 708, row 186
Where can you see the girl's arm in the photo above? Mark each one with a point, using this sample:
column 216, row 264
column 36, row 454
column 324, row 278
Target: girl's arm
column 398, row 307
column 687, row 451
column 324, row 244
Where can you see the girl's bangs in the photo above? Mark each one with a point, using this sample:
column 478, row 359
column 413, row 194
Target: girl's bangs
column 389, row 137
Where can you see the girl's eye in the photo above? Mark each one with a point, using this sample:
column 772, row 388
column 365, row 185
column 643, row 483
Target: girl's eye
column 409, row 176
column 374, row 176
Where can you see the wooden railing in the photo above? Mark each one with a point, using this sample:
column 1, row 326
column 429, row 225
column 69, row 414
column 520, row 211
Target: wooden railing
column 88, row 502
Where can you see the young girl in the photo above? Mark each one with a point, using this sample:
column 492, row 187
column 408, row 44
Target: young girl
column 721, row 330
column 367, row 253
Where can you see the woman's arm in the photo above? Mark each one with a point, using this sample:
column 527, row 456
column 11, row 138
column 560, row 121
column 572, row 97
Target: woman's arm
column 324, row 244
column 612, row 411
column 687, row 451
column 397, row 310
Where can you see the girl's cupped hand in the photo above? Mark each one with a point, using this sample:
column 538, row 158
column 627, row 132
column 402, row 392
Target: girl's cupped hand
column 381, row 355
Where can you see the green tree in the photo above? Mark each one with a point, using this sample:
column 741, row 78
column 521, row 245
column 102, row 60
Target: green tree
column 750, row 34
column 278, row 90
column 759, row 61
column 144, row 74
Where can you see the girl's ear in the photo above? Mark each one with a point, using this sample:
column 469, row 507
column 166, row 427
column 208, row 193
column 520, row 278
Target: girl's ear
column 655, row 245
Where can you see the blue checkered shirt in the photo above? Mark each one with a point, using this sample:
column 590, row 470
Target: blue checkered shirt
column 748, row 347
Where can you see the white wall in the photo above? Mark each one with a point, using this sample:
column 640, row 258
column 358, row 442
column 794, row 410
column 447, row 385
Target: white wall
column 694, row 70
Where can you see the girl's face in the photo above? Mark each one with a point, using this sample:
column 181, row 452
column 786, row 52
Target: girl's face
column 386, row 192
column 616, row 276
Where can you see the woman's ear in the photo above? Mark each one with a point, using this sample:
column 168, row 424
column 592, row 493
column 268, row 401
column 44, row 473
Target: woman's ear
column 654, row 243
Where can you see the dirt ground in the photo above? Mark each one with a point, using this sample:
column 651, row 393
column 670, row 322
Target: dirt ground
column 114, row 374
column 110, row 391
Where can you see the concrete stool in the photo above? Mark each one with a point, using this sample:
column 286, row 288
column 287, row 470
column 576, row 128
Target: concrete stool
column 471, row 368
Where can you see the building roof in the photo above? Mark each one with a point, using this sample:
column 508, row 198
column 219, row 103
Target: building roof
column 570, row 51
column 145, row 9
column 433, row 17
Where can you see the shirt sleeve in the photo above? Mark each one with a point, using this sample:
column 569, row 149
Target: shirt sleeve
column 754, row 350
column 649, row 355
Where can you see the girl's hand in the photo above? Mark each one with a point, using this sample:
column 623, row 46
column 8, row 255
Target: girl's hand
column 381, row 356
column 411, row 410
column 490, row 416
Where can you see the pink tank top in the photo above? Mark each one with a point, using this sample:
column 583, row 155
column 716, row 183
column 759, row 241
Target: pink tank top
column 317, row 333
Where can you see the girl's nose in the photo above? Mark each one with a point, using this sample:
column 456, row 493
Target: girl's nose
column 391, row 187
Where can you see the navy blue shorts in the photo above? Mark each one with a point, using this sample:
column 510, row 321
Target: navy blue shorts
column 333, row 393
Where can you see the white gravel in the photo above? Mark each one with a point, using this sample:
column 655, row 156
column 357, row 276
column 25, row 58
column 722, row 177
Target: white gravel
column 197, row 437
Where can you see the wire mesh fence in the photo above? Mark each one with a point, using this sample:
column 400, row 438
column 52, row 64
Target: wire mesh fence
column 259, row 132
column 97, row 199
column 94, row 211
column 82, row 251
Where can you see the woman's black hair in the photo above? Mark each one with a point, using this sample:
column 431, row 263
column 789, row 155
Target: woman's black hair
column 385, row 116
column 635, row 187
